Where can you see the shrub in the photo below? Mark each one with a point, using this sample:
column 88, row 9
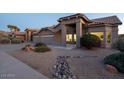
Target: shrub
column 88, row 41
column 42, row 49
column 16, row 41
column 116, row 60
column 119, row 44
column 39, row 44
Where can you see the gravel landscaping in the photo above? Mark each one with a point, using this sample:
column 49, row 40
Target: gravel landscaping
column 84, row 64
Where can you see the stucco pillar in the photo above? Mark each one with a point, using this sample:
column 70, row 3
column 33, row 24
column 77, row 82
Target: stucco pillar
column 114, row 34
column 26, row 38
column 105, row 39
column 29, row 35
column 78, row 33
column 64, row 29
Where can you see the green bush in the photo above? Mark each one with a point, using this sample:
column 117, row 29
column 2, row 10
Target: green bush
column 39, row 44
column 42, row 49
column 119, row 44
column 16, row 41
column 89, row 41
column 116, row 60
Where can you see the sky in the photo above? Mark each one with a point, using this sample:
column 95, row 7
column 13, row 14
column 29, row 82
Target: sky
column 39, row 20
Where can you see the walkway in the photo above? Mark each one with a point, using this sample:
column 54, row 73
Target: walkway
column 68, row 46
column 11, row 68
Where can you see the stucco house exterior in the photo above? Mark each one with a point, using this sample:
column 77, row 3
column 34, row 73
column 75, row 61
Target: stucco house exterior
column 71, row 28
column 25, row 36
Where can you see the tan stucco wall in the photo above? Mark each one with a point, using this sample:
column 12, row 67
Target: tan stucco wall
column 96, row 29
column 71, row 30
column 21, row 38
column 114, row 34
column 58, row 38
column 53, row 39
column 28, row 35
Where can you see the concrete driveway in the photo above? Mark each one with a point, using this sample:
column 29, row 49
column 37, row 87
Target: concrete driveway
column 11, row 68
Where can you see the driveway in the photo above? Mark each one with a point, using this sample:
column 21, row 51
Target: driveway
column 11, row 68
column 12, row 47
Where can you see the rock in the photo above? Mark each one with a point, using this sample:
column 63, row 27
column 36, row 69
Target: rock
column 111, row 68
column 62, row 69
column 28, row 48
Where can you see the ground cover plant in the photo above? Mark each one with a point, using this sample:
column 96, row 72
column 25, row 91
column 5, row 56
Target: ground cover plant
column 116, row 60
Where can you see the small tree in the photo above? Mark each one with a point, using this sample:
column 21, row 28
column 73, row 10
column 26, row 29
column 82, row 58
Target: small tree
column 13, row 28
column 10, row 37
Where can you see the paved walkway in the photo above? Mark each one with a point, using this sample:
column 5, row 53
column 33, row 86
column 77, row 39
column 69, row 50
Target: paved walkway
column 11, row 68
column 68, row 46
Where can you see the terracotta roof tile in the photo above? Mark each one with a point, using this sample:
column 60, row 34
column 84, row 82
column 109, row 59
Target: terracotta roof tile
column 74, row 16
column 32, row 29
column 108, row 20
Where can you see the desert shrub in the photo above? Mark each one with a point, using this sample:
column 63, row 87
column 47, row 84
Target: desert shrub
column 88, row 41
column 119, row 44
column 39, row 44
column 16, row 41
column 42, row 49
column 116, row 60
column 4, row 40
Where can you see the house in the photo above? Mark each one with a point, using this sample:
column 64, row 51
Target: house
column 29, row 34
column 25, row 36
column 71, row 28
column 3, row 33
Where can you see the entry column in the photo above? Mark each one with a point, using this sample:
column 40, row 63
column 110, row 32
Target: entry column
column 114, row 34
column 78, row 33
column 63, row 35
column 105, row 39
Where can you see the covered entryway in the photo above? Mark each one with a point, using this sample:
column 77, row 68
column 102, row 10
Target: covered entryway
column 71, row 34
column 73, row 29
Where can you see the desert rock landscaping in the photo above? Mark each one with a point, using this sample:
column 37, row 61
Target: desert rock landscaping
column 84, row 64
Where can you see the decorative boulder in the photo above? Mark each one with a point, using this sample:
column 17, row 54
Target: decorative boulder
column 28, row 48
column 111, row 68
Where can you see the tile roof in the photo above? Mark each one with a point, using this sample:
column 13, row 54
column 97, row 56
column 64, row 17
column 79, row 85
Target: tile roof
column 107, row 20
column 74, row 16
column 50, row 28
column 32, row 29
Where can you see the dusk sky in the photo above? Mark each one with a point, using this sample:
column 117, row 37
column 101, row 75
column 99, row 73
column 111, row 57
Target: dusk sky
column 39, row 20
